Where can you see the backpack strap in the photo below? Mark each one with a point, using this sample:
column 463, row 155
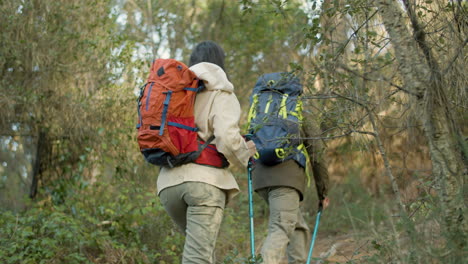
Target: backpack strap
column 194, row 129
column 164, row 113
column 304, row 152
column 200, row 87
column 210, row 156
column 148, row 96
column 208, row 142
column 142, row 91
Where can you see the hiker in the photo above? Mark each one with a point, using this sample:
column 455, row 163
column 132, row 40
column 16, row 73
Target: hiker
column 281, row 178
column 195, row 195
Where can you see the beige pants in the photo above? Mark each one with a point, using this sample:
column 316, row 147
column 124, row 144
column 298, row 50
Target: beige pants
column 197, row 209
column 287, row 230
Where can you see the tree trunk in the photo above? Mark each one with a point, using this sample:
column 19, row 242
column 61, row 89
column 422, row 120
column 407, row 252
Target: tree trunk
column 42, row 152
column 421, row 75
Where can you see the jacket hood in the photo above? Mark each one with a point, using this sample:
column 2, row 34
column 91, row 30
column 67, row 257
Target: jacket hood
column 213, row 76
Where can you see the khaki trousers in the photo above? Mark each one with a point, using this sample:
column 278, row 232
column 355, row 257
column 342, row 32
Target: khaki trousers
column 287, row 230
column 197, row 209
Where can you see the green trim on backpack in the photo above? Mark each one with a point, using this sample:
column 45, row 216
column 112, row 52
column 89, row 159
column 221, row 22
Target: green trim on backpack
column 283, row 111
column 267, row 106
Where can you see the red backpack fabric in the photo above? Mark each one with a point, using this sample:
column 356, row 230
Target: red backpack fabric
column 167, row 134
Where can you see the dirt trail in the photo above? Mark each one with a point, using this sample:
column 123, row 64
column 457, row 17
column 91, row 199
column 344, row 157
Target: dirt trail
column 339, row 248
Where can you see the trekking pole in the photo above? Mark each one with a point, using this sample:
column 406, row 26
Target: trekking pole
column 317, row 221
column 251, row 214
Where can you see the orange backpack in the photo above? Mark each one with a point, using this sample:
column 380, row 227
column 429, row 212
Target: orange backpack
column 167, row 134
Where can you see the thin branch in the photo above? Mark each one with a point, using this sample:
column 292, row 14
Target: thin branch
column 365, row 132
column 455, row 57
column 344, row 67
column 320, row 96
column 353, row 100
column 388, row 167
column 354, row 34
column 357, row 250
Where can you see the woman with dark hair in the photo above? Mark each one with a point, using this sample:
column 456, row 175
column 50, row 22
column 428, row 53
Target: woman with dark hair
column 195, row 195
column 207, row 51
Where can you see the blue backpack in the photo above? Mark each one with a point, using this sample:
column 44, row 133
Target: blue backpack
column 275, row 119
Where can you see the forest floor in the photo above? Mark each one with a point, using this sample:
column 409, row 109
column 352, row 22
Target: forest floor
column 341, row 248
column 336, row 248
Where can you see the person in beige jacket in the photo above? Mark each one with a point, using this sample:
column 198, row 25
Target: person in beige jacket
column 195, row 195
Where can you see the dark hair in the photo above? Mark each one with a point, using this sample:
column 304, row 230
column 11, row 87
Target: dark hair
column 207, row 51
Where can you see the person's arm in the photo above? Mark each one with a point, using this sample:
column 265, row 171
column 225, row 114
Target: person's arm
column 316, row 149
column 225, row 115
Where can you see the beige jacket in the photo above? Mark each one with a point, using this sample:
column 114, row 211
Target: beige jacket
column 217, row 112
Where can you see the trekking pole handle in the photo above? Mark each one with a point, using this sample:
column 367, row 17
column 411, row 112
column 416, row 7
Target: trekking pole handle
column 247, row 137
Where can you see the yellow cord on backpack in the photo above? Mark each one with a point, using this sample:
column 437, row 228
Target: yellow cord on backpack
column 280, row 153
column 303, row 149
column 256, row 155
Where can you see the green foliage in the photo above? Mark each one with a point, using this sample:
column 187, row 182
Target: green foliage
column 55, row 61
column 41, row 235
column 233, row 258
column 99, row 224
column 69, row 70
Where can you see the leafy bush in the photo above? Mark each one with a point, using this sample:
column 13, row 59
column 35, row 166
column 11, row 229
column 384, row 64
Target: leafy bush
column 101, row 224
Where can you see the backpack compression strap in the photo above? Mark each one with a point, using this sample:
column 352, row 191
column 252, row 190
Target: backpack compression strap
column 142, row 90
column 210, row 156
column 168, row 94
